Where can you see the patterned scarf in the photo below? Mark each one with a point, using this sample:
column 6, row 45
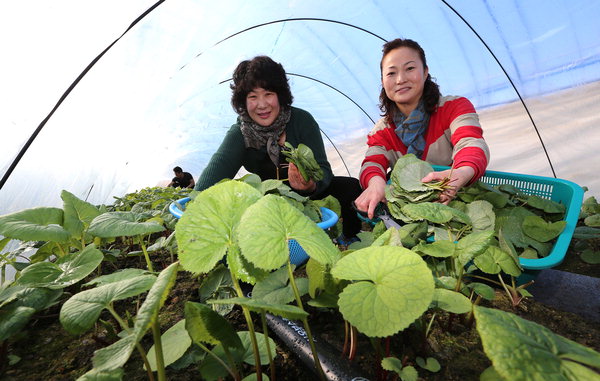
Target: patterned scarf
column 411, row 130
column 257, row 136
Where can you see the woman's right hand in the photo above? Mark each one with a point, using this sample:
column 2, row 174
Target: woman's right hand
column 373, row 195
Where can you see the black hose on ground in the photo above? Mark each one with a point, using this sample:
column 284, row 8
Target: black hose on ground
column 295, row 338
column 293, row 335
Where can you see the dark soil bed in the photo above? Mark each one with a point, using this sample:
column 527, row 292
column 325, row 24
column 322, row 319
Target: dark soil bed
column 48, row 352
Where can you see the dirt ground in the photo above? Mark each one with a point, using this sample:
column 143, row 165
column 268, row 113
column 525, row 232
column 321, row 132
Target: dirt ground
column 48, row 352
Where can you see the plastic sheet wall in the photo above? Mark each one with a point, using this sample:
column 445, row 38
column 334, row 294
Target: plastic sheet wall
column 159, row 97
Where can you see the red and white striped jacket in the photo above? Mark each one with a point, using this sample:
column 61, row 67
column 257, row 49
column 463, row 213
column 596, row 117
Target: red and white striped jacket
column 453, row 138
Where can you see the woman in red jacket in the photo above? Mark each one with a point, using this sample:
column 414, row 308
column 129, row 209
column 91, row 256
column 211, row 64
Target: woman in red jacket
column 443, row 130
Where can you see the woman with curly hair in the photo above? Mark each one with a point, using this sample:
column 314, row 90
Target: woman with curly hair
column 262, row 98
column 417, row 119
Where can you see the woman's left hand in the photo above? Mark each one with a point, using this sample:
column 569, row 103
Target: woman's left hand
column 459, row 177
column 297, row 181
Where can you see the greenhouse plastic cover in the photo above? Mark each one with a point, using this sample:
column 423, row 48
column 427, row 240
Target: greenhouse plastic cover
column 105, row 98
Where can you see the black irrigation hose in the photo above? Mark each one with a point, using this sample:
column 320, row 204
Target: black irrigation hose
column 291, row 333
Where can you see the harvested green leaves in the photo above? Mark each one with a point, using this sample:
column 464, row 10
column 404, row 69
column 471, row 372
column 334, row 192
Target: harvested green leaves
column 304, row 159
column 527, row 223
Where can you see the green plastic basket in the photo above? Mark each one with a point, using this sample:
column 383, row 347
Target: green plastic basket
column 561, row 191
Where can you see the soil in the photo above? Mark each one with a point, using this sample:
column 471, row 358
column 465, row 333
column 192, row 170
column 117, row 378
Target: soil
column 48, row 352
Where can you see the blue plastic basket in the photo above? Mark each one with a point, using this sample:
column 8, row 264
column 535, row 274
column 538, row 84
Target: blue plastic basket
column 297, row 254
column 562, row 191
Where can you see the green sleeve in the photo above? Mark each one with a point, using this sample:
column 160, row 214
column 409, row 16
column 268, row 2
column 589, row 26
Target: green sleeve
column 226, row 162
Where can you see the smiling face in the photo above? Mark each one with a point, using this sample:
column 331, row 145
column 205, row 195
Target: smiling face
column 263, row 106
column 403, row 78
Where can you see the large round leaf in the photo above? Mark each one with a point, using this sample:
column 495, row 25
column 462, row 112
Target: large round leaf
column 269, row 224
column 521, row 350
column 393, row 287
column 122, row 224
column 36, row 224
column 494, row 260
column 205, row 232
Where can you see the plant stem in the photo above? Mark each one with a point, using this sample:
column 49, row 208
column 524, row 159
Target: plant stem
column 62, row 251
column 268, row 345
column 235, row 370
column 353, row 343
column 138, row 346
column 459, row 279
column 146, row 256
column 160, row 360
column 346, row 338
column 429, row 325
column 238, row 289
column 305, row 323
column 115, row 315
column 486, row 279
column 511, row 296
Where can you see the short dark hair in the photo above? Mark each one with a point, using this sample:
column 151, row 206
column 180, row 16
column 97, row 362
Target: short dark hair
column 431, row 90
column 177, row 169
column 260, row 71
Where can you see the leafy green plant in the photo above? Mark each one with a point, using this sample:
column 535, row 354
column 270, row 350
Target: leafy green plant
column 392, row 288
column 64, row 228
column 512, row 343
column 587, row 233
column 208, row 232
column 110, row 360
column 153, row 200
column 126, row 224
column 303, row 158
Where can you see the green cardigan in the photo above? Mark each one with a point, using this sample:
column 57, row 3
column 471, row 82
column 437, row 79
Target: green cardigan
column 233, row 154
